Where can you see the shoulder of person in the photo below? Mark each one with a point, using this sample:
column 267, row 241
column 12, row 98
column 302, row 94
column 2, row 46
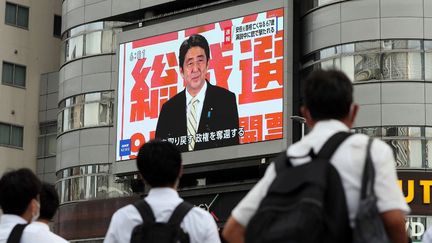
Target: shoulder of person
column 199, row 214
column 58, row 238
column 124, row 213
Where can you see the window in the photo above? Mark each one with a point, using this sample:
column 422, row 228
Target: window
column 11, row 135
column 17, row 15
column 57, row 26
column 92, row 182
column 86, row 110
column 47, row 144
column 13, row 74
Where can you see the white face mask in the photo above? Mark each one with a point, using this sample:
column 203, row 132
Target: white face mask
column 37, row 213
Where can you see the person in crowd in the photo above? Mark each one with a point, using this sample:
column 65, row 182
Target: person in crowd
column 160, row 166
column 19, row 201
column 49, row 201
column 328, row 109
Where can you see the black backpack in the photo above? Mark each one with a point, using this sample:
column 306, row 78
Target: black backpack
column 152, row 231
column 305, row 203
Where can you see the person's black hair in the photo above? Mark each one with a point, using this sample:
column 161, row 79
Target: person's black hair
column 328, row 94
column 192, row 41
column 159, row 163
column 17, row 189
column 49, row 201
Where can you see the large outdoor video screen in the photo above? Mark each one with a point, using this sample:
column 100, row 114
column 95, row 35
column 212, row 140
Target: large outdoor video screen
column 238, row 85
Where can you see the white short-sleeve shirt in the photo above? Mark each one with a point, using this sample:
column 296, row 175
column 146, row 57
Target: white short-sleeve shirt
column 34, row 232
column 348, row 160
column 198, row 223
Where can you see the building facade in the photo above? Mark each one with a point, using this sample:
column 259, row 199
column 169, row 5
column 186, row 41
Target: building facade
column 30, row 42
column 384, row 46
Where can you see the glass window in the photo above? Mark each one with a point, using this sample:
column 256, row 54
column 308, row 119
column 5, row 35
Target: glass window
column 347, row 66
column 107, row 40
column 91, row 113
column 11, row 11
column 23, row 17
column 13, row 74
column 98, row 38
column 7, row 73
column 4, row 133
column 66, row 119
column 77, row 116
column 367, row 67
column 11, row 135
column 17, row 136
column 93, row 43
column 17, row 15
column 57, row 26
column 20, row 75
column 51, row 145
column 408, row 153
column 75, row 47
column 41, row 144
column 87, row 110
column 428, row 66
column 402, row 66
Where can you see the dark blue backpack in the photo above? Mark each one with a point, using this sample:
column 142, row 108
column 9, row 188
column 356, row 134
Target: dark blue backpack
column 305, row 203
column 152, row 231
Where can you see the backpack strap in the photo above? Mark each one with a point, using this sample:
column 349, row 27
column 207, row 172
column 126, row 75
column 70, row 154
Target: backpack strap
column 283, row 161
column 368, row 179
column 16, row 233
column 179, row 213
column 145, row 210
column 332, row 144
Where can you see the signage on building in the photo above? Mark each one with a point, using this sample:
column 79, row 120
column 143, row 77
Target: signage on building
column 417, row 189
column 246, row 58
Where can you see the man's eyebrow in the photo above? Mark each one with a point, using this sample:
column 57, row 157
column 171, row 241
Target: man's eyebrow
column 191, row 58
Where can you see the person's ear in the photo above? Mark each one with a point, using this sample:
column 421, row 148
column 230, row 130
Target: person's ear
column 353, row 114
column 182, row 72
column 180, row 172
column 307, row 116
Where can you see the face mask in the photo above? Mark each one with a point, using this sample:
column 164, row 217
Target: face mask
column 37, row 213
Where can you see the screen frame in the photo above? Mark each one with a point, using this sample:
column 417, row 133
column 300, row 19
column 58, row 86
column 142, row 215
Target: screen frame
column 257, row 149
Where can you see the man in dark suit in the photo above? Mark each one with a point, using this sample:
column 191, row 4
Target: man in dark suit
column 202, row 115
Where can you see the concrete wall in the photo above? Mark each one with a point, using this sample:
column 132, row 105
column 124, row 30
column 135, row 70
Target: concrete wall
column 38, row 50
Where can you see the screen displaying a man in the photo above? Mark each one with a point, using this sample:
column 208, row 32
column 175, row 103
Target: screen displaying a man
column 204, row 114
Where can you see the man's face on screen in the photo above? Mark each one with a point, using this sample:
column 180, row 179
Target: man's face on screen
column 194, row 69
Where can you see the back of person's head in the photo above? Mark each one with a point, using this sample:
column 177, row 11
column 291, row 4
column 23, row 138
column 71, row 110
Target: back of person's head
column 17, row 189
column 49, row 201
column 328, row 94
column 159, row 163
column 193, row 41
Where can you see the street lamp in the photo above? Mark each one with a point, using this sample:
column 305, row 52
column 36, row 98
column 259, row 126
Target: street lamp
column 301, row 120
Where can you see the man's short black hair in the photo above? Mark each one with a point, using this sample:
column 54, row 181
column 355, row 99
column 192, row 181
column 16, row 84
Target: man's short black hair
column 192, row 41
column 49, row 201
column 328, row 94
column 159, row 163
column 17, row 189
